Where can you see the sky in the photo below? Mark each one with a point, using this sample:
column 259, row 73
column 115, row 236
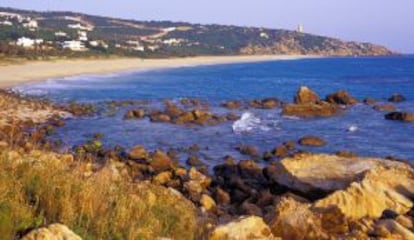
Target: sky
column 385, row 22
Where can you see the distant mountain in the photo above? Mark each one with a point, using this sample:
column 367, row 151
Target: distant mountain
column 71, row 33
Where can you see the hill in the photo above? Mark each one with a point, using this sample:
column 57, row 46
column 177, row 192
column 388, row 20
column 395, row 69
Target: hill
column 53, row 34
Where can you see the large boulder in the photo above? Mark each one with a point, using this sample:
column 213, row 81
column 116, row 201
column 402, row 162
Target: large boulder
column 325, row 173
column 52, row 232
column 400, row 116
column 138, row 152
column 246, row 228
column 341, row 98
column 321, row 109
column 305, row 96
column 382, row 188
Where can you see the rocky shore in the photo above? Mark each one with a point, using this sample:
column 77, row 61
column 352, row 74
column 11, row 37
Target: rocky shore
column 293, row 195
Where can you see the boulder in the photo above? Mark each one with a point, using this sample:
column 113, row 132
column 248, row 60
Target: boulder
column 391, row 229
column 280, row 151
column 222, row 197
column 384, row 107
column 159, row 161
column 396, row 98
column 400, row 116
column 160, row 117
column 138, row 152
column 322, row 109
column 266, row 103
column 52, row 232
column 369, row 101
column 341, row 98
column 324, row 173
column 232, row 104
column 137, row 113
column 381, row 188
column 194, row 161
column 306, row 96
column 207, row 203
column 248, row 150
column 311, row 141
column 245, row 228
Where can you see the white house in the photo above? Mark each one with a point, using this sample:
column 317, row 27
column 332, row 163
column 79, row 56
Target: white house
column 136, row 45
column 31, row 24
column 300, row 28
column 264, row 35
column 28, row 42
column 80, row 27
column 6, row 23
column 83, row 36
column 170, row 29
column 172, row 41
column 74, row 45
column 61, row 34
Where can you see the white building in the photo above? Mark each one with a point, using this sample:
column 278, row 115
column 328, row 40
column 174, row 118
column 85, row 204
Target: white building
column 171, row 29
column 300, row 28
column 264, row 35
column 83, row 36
column 135, row 45
column 28, row 42
column 74, row 45
column 80, row 27
column 31, row 24
column 6, row 23
column 172, row 41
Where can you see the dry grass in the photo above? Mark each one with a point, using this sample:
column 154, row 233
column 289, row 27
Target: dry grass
column 41, row 189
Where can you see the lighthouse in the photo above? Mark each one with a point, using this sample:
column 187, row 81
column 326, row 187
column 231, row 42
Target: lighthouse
column 300, row 28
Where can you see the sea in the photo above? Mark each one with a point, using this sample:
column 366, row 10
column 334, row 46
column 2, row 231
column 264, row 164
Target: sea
column 359, row 129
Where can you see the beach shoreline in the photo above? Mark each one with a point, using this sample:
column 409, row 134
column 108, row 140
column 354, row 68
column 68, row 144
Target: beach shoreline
column 36, row 71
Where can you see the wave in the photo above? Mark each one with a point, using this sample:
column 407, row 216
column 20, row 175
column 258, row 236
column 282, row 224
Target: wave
column 249, row 122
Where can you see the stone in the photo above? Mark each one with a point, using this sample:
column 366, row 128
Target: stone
column 248, row 150
column 396, row 98
column 385, row 108
column 322, row 109
column 325, row 173
column 207, row 203
column 346, row 154
column 245, row 228
column 194, row 161
column 52, row 232
column 306, row 96
column 232, row 104
column 222, row 197
column 280, row 151
column 138, row 152
column 342, row 98
column 160, row 161
column 162, row 178
column 160, row 117
column 369, row 101
column 391, row 229
column 311, row 141
column 400, row 116
column 137, row 113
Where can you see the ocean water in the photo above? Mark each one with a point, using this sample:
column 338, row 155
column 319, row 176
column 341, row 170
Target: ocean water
column 360, row 129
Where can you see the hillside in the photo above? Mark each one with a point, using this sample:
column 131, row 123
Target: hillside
column 49, row 34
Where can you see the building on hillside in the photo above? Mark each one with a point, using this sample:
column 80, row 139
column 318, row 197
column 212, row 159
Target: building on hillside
column 61, row 34
column 135, row 45
column 172, row 41
column 28, row 42
column 80, row 27
column 153, row 48
column 6, row 23
column 170, row 29
column 264, row 35
column 300, row 28
column 82, row 36
column 74, row 45
column 30, row 24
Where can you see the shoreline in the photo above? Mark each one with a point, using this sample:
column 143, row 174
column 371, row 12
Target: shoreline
column 37, row 71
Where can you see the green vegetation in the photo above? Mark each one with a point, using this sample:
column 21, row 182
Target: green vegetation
column 43, row 188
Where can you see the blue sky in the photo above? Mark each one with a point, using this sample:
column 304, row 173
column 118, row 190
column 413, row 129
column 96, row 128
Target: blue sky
column 379, row 21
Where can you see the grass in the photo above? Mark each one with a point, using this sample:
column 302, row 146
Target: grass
column 40, row 189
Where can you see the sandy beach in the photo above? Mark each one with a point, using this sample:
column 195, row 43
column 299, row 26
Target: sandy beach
column 15, row 74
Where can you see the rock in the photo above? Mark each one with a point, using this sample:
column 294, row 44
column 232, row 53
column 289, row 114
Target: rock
column 346, row 154
column 251, row 209
column 160, row 117
column 138, row 113
column 232, row 104
column 324, row 173
column 405, row 221
column 280, row 151
column 207, row 203
column 400, row 116
column 137, row 153
column 160, row 161
column 172, row 110
column 222, row 197
column 162, row 178
column 396, row 98
column 197, row 184
column 341, row 98
column 194, row 161
column 385, row 108
column 306, row 96
column 248, row 150
column 390, row 229
column 245, row 228
column 184, row 118
column 389, row 214
column 381, row 188
column 311, row 141
column 52, row 232
column 369, row 101
column 322, row 109
column 270, row 103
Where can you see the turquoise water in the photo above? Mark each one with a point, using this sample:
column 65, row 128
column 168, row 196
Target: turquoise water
column 362, row 77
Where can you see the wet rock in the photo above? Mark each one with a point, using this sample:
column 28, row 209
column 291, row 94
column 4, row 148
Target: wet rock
column 245, row 228
column 184, row 118
column 311, row 141
column 324, row 173
column 267, row 103
column 248, row 150
column 172, row 110
column 306, row 96
column 385, row 108
column 280, row 151
column 400, row 116
column 194, row 161
column 137, row 153
column 159, row 161
column 134, row 114
column 322, row 109
column 341, row 98
column 232, row 104
column 396, row 98
column 52, row 232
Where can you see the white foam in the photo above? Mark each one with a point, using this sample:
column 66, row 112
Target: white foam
column 246, row 123
column 353, row 128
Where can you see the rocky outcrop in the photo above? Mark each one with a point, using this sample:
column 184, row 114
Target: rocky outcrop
column 52, row 232
column 341, row 98
column 322, row 109
column 325, row 173
column 312, row 141
column 246, row 228
column 400, row 116
column 396, row 98
column 306, row 96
